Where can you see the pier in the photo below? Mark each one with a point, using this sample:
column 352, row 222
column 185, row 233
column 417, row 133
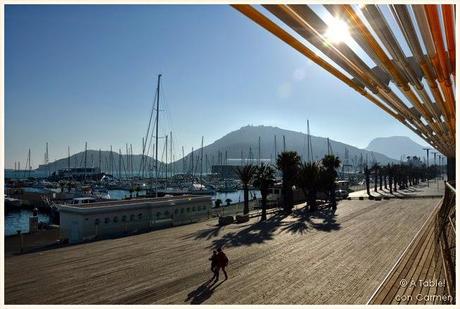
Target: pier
column 303, row 258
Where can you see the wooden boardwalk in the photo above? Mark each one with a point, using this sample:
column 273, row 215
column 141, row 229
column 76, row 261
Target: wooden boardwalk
column 419, row 276
column 299, row 259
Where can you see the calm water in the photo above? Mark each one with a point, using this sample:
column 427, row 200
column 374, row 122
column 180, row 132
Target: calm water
column 19, row 220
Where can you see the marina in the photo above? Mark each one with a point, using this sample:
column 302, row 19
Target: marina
column 306, row 152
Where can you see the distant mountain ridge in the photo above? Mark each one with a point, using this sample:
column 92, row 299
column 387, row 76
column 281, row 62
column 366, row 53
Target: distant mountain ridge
column 396, row 147
column 241, row 143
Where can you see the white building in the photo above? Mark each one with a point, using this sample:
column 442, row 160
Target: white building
column 115, row 218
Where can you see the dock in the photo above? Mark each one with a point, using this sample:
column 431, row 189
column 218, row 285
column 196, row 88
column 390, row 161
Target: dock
column 301, row 259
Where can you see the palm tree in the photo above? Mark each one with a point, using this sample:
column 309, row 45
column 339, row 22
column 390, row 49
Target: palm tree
column 390, row 177
column 288, row 163
column 331, row 163
column 245, row 174
column 375, row 168
column 264, row 178
column 308, row 180
column 367, row 174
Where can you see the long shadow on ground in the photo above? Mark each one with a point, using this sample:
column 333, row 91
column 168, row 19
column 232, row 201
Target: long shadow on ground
column 203, row 292
column 256, row 233
column 322, row 219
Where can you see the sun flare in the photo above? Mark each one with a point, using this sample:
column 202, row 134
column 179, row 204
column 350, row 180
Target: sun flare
column 337, row 31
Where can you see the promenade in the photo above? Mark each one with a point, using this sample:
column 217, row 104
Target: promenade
column 304, row 258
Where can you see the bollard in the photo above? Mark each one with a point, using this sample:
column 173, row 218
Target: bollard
column 21, row 241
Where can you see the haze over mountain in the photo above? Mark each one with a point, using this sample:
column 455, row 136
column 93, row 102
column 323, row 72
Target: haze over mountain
column 237, row 144
column 241, row 142
column 397, row 146
column 110, row 162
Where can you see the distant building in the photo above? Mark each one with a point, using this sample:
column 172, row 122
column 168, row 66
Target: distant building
column 225, row 171
column 78, row 173
column 83, row 222
column 228, row 170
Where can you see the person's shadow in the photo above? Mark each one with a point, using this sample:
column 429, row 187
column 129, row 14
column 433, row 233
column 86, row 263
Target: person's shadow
column 203, row 292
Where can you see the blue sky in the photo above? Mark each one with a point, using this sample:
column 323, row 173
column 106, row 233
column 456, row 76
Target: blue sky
column 88, row 73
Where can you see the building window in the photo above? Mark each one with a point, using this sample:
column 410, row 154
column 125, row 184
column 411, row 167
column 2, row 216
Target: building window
column 132, row 217
column 193, row 208
column 96, row 222
column 158, row 214
column 182, row 210
column 107, row 220
column 123, row 218
column 188, row 209
column 115, row 219
column 139, row 216
column 176, row 211
column 166, row 213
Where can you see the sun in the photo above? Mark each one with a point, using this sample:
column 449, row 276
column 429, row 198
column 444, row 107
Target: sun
column 337, row 31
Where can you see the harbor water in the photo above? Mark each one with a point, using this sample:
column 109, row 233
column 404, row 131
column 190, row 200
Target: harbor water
column 19, row 220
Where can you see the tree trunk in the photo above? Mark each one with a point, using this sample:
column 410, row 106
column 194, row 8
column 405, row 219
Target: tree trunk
column 368, row 183
column 264, row 205
column 390, row 183
column 375, row 181
column 246, row 200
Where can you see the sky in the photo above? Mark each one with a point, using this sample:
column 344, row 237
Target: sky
column 76, row 74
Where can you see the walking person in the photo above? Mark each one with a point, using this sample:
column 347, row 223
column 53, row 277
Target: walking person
column 222, row 262
column 214, row 262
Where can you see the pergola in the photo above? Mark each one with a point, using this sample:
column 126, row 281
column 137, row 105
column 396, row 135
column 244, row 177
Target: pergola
column 414, row 86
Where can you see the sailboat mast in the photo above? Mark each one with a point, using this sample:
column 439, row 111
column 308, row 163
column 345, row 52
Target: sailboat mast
column 86, row 153
column 30, row 164
column 156, row 135
column 258, row 154
column 166, row 148
column 170, row 153
column 46, row 159
column 183, row 161
column 201, row 168
column 192, row 162
column 308, row 141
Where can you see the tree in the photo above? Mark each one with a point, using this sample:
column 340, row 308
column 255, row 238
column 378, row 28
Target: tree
column 367, row 174
column 218, row 202
column 245, row 174
column 331, row 163
column 375, row 168
column 308, row 181
column 390, row 177
column 288, row 163
column 264, row 178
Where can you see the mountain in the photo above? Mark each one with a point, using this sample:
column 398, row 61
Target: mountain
column 110, row 162
column 240, row 143
column 397, row 146
column 245, row 140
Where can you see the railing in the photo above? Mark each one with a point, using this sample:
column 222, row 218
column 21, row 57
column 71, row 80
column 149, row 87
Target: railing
column 445, row 236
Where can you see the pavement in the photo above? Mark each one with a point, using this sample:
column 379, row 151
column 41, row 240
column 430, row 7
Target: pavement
column 435, row 188
column 303, row 258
